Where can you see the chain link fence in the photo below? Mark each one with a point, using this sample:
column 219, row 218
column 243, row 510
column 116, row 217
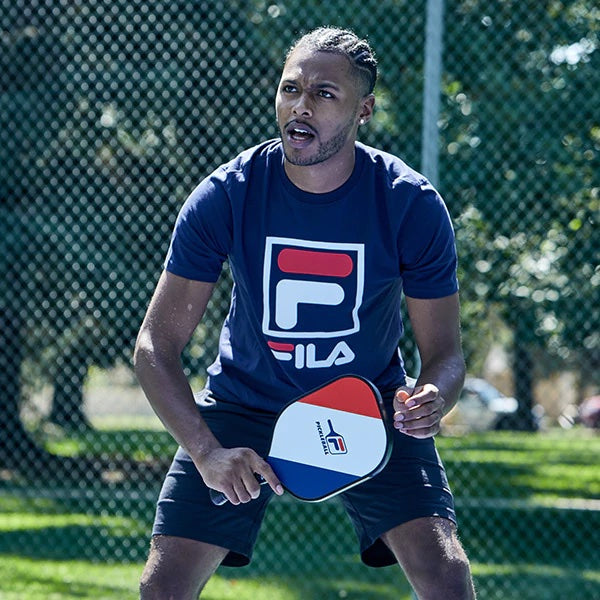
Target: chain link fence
column 110, row 113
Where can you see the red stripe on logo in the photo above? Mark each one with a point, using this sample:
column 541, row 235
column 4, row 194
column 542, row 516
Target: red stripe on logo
column 311, row 262
column 279, row 347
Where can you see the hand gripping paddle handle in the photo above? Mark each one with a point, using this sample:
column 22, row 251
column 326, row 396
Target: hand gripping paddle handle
column 219, row 498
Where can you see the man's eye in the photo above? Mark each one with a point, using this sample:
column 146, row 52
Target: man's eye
column 325, row 94
column 288, row 89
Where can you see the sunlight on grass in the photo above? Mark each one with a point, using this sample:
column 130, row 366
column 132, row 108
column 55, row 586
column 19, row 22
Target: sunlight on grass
column 219, row 588
column 32, row 521
column 116, row 439
column 28, row 579
column 566, row 574
column 543, row 466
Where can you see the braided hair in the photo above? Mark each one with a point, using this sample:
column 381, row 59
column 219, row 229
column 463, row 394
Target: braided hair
column 345, row 43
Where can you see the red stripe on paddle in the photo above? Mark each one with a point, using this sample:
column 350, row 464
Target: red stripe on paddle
column 349, row 394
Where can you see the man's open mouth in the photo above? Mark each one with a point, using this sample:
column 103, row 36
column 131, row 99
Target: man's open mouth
column 299, row 132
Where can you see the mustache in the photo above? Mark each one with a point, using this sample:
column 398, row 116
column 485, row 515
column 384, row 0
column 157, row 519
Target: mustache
column 298, row 124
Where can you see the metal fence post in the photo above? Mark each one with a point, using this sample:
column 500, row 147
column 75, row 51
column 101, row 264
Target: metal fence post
column 434, row 30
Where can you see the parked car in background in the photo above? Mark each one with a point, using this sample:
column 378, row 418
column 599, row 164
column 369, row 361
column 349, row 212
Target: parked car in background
column 589, row 412
column 586, row 414
column 480, row 407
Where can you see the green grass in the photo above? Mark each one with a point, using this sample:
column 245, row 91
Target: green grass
column 90, row 542
column 542, row 467
column 140, row 440
column 38, row 579
column 26, row 579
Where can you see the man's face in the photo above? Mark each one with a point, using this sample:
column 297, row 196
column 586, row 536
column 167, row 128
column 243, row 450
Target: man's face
column 318, row 105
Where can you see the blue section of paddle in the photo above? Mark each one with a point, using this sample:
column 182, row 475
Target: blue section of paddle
column 310, row 483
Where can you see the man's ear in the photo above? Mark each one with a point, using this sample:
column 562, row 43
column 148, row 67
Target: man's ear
column 366, row 109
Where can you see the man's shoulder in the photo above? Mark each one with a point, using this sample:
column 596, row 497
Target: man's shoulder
column 393, row 168
column 262, row 154
column 230, row 179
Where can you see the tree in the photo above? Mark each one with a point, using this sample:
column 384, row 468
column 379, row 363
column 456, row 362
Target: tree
column 100, row 141
column 521, row 120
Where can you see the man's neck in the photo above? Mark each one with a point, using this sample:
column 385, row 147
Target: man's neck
column 323, row 177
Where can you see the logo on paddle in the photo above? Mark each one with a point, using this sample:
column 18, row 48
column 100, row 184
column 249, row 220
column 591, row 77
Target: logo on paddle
column 333, row 442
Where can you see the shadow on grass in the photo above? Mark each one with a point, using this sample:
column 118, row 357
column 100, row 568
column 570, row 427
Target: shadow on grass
column 75, row 542
column 543, row 536
column 526, row 582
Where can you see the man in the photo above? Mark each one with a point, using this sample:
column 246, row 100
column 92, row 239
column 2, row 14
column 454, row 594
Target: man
column 275, row 212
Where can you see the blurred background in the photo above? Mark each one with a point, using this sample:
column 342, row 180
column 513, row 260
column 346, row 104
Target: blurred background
column 112, row 112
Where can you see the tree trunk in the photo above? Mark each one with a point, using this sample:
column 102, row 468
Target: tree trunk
column 523, row 373
column 67, row 401
column 18, row 451
column 16, row 444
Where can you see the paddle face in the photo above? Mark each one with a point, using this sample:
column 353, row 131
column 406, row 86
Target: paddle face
column 329, row 440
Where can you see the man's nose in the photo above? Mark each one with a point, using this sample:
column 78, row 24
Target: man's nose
column 302, row 106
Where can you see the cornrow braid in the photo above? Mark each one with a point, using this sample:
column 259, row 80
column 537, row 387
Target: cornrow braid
column 346, row 43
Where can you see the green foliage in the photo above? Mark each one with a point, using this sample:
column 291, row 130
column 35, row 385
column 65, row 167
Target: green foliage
column 521, row 168
column 112, row 114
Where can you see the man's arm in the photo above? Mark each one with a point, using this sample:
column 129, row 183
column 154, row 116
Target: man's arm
column 175, row 310
column 436, row 327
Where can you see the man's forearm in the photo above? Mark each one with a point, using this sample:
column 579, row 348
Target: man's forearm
column 169, row 393
column 448, row 375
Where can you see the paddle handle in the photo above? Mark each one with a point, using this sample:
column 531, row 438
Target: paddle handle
column 219, row 498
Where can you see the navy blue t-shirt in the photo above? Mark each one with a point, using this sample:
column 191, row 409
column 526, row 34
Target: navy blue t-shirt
column 317, row 277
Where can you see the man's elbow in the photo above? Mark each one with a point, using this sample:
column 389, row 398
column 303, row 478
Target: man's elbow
column 154, row 351
column 143, row 352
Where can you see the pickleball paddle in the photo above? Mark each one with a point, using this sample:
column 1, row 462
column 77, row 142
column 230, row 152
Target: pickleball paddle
column 328, row 440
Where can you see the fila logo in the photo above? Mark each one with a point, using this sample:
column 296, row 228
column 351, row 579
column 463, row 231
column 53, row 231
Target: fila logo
column 290, row 294
column 306, row 355
column 332, row 443
column 311, row 289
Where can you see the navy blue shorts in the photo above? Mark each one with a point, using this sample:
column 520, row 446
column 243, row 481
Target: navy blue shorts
column 413, row 484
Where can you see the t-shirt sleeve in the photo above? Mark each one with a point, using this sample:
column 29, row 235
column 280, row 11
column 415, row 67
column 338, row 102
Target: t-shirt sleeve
column 427, row 247
column 202, row 235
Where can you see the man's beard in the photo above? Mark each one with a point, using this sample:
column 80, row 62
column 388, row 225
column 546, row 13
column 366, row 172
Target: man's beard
column 324, row 150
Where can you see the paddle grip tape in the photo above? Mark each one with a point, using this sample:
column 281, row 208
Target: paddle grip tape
column 219, row 498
